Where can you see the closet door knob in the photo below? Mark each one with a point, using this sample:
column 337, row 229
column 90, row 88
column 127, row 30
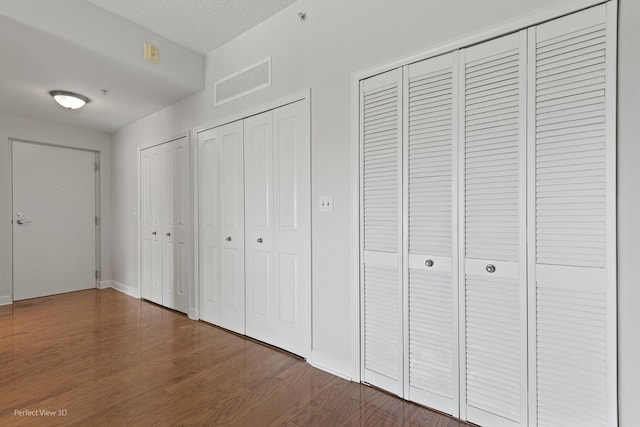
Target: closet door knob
column 429, row 263
column 228, row 239
column 168, row 234
column 490, row 268
column 259, row 240
column 154, row 233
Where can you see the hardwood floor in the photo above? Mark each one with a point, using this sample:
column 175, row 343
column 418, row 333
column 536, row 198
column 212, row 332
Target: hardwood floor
column 99, row 357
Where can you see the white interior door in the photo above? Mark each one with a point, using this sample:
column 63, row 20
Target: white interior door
column 381, row 230
column 572, row 183
column 292, row 226
column 277, row 227
column 54, row 200
column 175, row 212
column 164, row 210
column 151, row 215
column 259, row 233
column 221, row 216
column 492, row 221
column 431, row 94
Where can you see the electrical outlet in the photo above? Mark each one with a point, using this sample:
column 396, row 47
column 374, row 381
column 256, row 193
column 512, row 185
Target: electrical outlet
column 326, row 204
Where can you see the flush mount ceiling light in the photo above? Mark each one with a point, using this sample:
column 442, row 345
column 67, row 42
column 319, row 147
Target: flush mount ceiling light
column 69, row 100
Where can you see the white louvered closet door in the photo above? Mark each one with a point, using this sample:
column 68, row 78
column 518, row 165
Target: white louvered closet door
column 381, row 230
column 430, row 170
column 492, row 227
column 572, row 176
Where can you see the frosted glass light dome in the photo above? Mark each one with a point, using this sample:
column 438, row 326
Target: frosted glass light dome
column 69, row 100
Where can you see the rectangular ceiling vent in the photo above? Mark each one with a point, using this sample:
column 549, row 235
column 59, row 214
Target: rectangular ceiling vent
column 243, row 82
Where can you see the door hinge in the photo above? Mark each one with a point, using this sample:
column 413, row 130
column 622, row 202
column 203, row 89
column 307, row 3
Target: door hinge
column 97, row 220
column 97, row 274
column 96, row 167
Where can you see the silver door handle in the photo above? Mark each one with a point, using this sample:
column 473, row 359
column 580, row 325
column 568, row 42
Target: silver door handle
column 23, row 221
column 228, row 239
column 429, row 263
column 490, row 268
column 259, row 240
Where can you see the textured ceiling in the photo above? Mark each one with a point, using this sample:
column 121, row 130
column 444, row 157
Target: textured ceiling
column 200, row 25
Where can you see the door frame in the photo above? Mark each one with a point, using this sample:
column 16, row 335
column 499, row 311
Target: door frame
column 305, row 96
column 97, row 196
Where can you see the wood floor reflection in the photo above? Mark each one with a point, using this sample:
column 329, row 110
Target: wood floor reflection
column 98, row 357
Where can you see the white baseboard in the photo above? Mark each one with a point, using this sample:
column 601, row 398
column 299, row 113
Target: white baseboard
column 6, row 300
column 104, row 284
column 330, row 365
column 131, row 291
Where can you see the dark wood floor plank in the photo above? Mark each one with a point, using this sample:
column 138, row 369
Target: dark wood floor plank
column 111, row 360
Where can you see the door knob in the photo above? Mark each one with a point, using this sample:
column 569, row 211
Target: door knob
column 490, row 268
column 154, row 233
column 23, row 221
column 259, row 240
column 228, row 239
column 429, row 263
column 168, row 234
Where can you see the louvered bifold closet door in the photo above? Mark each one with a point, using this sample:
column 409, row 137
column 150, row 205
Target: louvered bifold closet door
column 381, row 229
column 493, row 228
column 430, row 165
column 572, row 173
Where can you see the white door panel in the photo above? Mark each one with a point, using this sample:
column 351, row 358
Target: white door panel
column 258, row 146
column 54, row 189
column 222, row 226
column 493, row 233
column 292, row 212
column 277, row 227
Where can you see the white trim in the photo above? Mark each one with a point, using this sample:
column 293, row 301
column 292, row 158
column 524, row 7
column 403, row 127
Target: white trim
column 128, row 290
column 455, row 236
column 356, row 345
column 6, row 300
column 403, row 119
column 104, row 284
column 526, row 21
column 461, row 209
column 531, row 228
column 611, row 212
column 267, row 60
column 194, row 311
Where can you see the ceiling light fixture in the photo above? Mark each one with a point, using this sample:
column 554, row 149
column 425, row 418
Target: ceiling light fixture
column 69, row 100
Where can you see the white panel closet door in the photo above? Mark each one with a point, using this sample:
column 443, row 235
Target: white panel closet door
column 292, row 226
column 277, row 227
column 222, row 226
column 381, row 230
column 165, row 211
column 430, row 173
column 572, row 164
column 151, row 210
column 258, row 155
column 492, row 221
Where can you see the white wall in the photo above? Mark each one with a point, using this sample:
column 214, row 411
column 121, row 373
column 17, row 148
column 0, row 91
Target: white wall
column 337, row 39
column 38, row 131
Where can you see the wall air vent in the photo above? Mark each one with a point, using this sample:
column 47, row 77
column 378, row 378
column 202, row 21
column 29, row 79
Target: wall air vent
column 248, row 80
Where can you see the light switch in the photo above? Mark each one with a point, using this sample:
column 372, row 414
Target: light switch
column 326, row 204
